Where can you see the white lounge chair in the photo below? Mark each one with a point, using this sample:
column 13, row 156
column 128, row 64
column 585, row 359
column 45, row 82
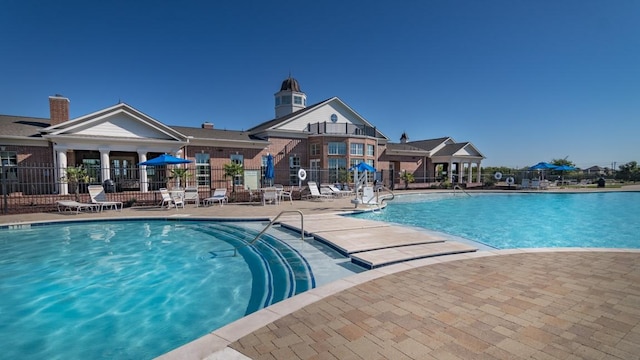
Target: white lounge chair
column 69, row 205
column 525, row 184
column 315, row 192
column 219, row 195
column 98, row 196
column 339, row 192
column 191, row 194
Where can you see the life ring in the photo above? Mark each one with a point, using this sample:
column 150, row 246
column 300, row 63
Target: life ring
column 497, row 175
column 510, row 180
column 302, row 174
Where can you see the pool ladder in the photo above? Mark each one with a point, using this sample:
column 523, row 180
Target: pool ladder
column 235, row 250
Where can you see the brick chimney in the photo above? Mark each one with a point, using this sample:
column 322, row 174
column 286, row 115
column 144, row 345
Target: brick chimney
column 207, row 125
column 59, row 109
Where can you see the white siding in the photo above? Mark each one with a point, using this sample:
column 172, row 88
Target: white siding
column 123, row 126
column 322, row 114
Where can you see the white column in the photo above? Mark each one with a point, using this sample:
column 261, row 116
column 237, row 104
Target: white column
column 105, row 165
column 61, row 154
column 144, row 184
column 479, row 179
column 450, row 172
column 470, row 176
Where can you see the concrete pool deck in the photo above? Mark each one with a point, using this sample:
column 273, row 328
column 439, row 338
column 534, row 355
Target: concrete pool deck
column 508, row 304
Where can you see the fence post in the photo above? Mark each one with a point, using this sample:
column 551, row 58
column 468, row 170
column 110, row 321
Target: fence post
column 4, row 189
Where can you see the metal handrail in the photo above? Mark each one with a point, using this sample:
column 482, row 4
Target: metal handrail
column 384, row 198
column 458, row 187
column 235, row 250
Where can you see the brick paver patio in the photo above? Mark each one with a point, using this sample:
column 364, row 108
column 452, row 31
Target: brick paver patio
column 554, row 305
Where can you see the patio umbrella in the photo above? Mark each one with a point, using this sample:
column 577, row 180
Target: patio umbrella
column 269, row 172
column 562, row 169
column 165, row 159
column 542, row 166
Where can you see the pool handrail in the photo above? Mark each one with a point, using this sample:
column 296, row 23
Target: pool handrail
column 235, row 250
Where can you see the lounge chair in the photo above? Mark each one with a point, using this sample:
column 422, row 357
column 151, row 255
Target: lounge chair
column 316, row 194
column 338, row 192
column 191, row 194
column 219, row 195
column 98, row 196
column 175, row 198
column 282, row 193
column 525, row 184
column 69, row 205
column 270, row 195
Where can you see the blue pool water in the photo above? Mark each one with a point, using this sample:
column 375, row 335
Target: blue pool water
column 137, row 289
column 505, row 221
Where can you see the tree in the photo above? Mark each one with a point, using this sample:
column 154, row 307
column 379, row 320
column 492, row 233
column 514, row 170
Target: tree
column 408, row 178
column 629, row 171
column 74, row 176
column 233, row 170
column 182, row 174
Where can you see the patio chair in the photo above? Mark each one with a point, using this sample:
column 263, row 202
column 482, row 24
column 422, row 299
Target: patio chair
column 270, row 195
column 98, row 196
column 282, row 193
column 219, row 195
column 191, row 194
column 525, row 184
column 171, row 198
column 316, row 194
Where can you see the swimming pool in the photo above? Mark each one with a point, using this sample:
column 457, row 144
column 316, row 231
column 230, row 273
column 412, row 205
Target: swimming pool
column 138, row 289
column 532, row 220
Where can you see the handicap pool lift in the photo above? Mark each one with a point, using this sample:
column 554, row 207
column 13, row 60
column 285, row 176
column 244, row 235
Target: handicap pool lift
column 365, row 193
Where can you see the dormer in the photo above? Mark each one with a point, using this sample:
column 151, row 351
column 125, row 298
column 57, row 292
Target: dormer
column 290, row 98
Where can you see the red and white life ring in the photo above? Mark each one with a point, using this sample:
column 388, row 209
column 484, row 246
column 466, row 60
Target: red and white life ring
column 510, row 180
column 302, row 174
column 497, row 175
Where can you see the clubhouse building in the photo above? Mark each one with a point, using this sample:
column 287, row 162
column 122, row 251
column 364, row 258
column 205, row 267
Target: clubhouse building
column 325, row 139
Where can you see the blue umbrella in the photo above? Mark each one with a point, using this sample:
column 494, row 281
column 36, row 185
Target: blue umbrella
column 165, row 159
column 543, row 166
column 362, row 167
column 564, row 168
column 269, row 172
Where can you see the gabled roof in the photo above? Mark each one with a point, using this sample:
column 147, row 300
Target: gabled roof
column 22, row 126
column 204, row 136
column 136, row 120
column 405, row 149
column 278, row 124
column 430, row 144
column 270, row 124
column 465, row 149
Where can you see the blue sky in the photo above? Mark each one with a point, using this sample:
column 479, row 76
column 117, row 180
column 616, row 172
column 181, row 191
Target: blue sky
column 524, row 81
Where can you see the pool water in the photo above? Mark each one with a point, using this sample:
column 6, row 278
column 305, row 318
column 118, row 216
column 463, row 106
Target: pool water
column 138, row 289
column 506, row 221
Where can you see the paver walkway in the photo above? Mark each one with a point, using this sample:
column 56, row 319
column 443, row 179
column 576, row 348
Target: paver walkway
column 556, row 305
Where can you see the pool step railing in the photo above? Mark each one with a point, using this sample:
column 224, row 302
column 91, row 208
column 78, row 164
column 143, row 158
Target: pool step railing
column 458, row 187
column 271, row 224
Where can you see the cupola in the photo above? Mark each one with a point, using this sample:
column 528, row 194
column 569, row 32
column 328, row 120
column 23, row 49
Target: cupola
column 290, row 98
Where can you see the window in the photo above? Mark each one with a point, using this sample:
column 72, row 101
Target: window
column 203, row 169
column 370, row 162
column 354, row 162
column 294, row 166
column 286, row 100
column 337, row 169
column 277, row 100
column 9, row 164
column 357, row 149
column 297, row 100
column 371, row 150
column 314, row 149
column 238, row 159
column 337, row 148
